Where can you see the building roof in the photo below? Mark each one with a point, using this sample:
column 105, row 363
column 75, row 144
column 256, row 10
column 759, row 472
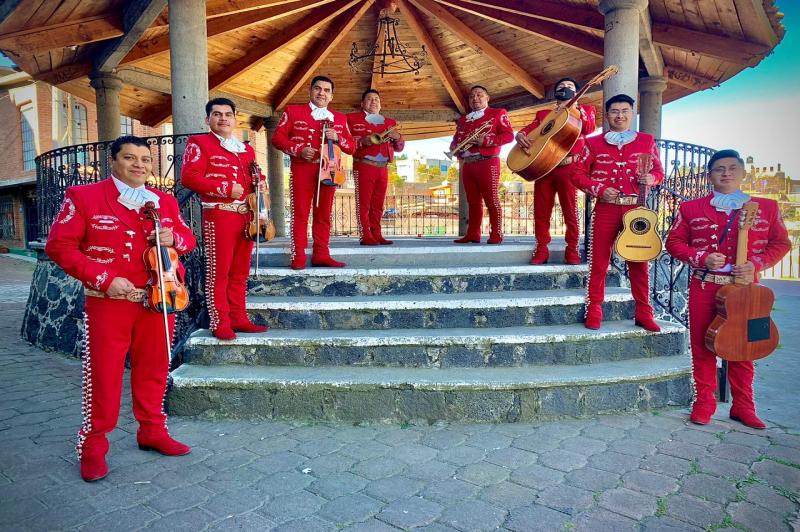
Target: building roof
column 263, row 52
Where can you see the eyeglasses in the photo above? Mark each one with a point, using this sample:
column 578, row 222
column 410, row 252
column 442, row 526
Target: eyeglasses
column 721, row 170
column 618, row 112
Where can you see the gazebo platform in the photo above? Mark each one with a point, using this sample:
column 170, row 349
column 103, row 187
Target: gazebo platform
column 426, row 330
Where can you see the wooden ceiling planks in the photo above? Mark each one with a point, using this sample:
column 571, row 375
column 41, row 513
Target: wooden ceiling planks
column 726, row 11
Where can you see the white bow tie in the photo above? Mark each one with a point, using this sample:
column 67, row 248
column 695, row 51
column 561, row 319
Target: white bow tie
column 321, row 113
column 620, row 138
column 474, row 115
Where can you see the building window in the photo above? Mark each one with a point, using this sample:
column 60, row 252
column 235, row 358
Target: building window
column 125, row 125
column 70, row 123
column 80, row 124
column 28, row 140
column 8, row 229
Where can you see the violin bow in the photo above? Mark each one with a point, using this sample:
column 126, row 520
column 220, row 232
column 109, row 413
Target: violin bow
column 157, row 225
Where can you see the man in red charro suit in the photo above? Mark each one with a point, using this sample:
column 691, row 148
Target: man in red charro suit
column 299, row 134
column 216, row 166
column 699, row 238
column 558, row 181
column 607, row 170
column 99, row 237
column 370, row 165
column 480, row 164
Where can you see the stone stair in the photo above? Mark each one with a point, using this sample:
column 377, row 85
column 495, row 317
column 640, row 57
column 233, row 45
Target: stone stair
column 426, row 330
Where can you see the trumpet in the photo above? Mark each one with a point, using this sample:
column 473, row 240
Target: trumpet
column 482, row 129
column 378, row 138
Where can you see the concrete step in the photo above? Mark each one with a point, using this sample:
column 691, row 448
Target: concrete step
column 429, row 252
column 440, row 348
column 358, row 394
column 437, row 311
column 415, row 280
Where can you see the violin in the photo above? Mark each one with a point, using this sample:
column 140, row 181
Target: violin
column 331, row 170
column 258, row 228
column 165, row 292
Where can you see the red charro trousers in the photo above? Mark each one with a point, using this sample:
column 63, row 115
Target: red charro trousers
column 606, row 225
column 228, row 256
column 559, row 181
column 303, row 191
column 702, row 311
column 113, row 328
column 481, row 181
column 371, row 183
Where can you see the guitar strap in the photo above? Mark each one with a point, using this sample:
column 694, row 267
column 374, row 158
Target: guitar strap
column 731, row 218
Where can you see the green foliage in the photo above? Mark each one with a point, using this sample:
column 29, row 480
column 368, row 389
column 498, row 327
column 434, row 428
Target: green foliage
column 661, row 507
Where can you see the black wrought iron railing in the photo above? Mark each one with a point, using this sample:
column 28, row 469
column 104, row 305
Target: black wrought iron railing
column 413, row 215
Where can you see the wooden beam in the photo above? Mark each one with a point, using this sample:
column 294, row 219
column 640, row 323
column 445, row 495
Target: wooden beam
column 143, row 79
column 755, row 23
column 224, row 24
column 573, row 15
column 308, row 65
column 138, row 16
column 438, row 63
column 725, row 48
column 265, row 49
column 64, row 73
column 216, row 8
column 71, row 33
column 685, row 79
column 475, row 41
column 546, row 29
column 648, row 51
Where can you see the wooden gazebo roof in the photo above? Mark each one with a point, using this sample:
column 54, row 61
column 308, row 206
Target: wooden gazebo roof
column 263, row 52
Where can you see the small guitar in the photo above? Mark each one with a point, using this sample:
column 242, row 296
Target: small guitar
column 743, row 328
column 639, row 241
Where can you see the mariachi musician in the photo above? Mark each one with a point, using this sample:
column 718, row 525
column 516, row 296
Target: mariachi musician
column 703, row 236
column 216, row 166
column 299, row 134
column 607, row 170
column 373, row 154
column 558, row 181
column 99, row 237
column 480, row 164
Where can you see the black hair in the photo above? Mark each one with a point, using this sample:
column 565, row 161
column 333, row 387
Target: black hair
column 322, row 78
column 620, row 98
column 478, row 87
column 369, row 91
column 219, row 101
column 577, row 85
column 724, row 154
column 116, row 146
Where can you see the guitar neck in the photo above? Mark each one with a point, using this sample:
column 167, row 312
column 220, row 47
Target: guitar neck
column 741, row 246
column 642, row 195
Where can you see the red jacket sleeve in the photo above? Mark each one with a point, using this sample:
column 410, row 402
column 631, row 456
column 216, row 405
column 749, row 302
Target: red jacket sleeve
column 778, row 243
column 502, row 134
column 185, row 240
column 193, row 172
column 678, row 245
column 581, row 177
column 658, row 169
column 280, row 138
column 64, row 241
column 588, row 119
column 530, row 127
column 399, row 144
column 346, row 142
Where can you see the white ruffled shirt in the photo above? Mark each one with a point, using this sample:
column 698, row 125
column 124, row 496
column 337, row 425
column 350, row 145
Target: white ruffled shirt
column 320, row 113
column 620, row 138
column 134, row 198
column 474, row 115
column 231, row 144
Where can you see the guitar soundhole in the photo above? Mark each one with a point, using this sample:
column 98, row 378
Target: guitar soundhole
column 758, row 329
column 640, row 226
column 546, row 129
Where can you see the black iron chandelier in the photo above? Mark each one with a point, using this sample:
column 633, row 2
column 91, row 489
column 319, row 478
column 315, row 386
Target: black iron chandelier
column 388, row 55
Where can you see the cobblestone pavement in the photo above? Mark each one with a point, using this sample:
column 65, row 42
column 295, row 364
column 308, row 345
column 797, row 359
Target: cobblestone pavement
column 649, row 472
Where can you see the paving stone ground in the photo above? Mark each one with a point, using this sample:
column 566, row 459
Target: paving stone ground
column 647, row 472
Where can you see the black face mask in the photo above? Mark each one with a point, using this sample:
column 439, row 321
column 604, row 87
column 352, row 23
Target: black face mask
column 564, row 93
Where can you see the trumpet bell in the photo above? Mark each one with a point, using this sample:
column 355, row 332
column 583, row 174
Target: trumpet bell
column 375, row 138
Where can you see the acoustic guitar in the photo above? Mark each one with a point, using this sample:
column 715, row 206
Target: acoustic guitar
column 639, row 241
column 743, row 329
column 552, row 141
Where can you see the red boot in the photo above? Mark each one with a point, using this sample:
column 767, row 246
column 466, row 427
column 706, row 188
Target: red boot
column 702, row 410
column 93, row 466
column 224, row 333
column 159, row 440
column 383, row 242
column 541, row 255
column 748, row 418
column 571, row 255
column 594, row 316
column 247, row 326
column 369, row 241
column 327, row 262
column 495, row 239
column 643, row 318
column 743, row 409
column 467, row 240
column 298, row 263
